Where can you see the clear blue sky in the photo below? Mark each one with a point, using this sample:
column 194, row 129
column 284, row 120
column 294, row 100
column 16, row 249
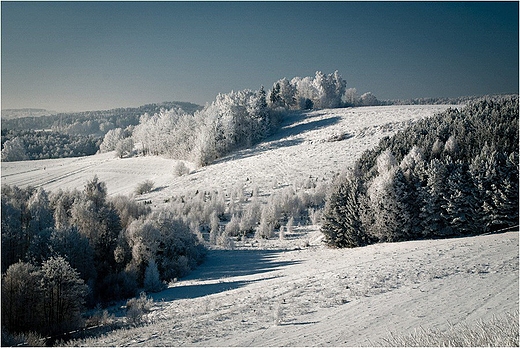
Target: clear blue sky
column 73, row 56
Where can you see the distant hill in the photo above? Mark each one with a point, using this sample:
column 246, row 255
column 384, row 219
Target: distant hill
column 9, row 114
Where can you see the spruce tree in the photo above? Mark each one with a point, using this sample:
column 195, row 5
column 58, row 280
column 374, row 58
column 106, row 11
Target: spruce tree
column 342, row 224
column 433, row 193
column 274, row 97
column 459, row 203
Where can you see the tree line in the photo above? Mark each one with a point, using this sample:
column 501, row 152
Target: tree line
column 95, row 123
column 35, row 145
column 449, row 175
column 232, row 121
column 69, row 248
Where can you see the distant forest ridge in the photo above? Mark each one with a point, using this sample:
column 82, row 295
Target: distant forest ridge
column 49, row 117
column 8, row 114
column 444, row 100
column 20, row 119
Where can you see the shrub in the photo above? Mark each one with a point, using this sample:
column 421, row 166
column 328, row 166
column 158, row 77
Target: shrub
column 136, row 308
column 181, row 169
column 233, row 226
column 144, row 187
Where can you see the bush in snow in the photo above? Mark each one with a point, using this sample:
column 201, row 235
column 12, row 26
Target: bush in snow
column 233, row 226
column 136, row 308
column 181, row 169
column 144, row 187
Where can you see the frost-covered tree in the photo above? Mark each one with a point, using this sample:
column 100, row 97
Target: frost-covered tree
column 306, row 92
column 342, row 223
column 21, row 298
column 368, row 99
column 144, row 239
column 98, row 220
column 329, row 89
column 451, row 146
column 391, row 219
column 287, row 93
column 63, row 294
column 250, row 216
column 111, row 139
column 16, row 219
column 351, row 98
column 76, row 249
column 152, row 281
column 128, row 209
column 433, row 199
column 166, row 240
column 14, row 150
column 40, row 210
column 275, row 99
column 124, row 147
column 459, row 201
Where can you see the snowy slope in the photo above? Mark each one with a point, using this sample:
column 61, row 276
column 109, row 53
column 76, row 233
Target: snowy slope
column 327, row 297
column 296, row 291
column 299, row 150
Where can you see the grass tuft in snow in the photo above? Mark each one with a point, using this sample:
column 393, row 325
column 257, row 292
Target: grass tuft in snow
column 498, row 332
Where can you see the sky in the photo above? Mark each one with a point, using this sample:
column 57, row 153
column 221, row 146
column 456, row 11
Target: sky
column 78, row 56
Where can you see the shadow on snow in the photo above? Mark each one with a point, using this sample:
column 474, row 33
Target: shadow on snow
column 278, row 140
column 222, row 264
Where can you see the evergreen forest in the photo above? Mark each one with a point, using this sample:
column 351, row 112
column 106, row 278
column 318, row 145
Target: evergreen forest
column 454, row 174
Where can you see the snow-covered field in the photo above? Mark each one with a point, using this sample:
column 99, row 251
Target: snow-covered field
column 296, row 291
column 316, row 296
column 302, row 148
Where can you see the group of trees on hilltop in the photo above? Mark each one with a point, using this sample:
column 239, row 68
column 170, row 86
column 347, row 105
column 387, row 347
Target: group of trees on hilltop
column 67, row 248
column 233, row 120
column 449, row 175
column 238, row 119
column 33, row 145
column 321, row 91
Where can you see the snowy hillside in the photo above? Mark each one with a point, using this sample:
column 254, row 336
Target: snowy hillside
column 303, row 148
column 296, row 291
column 328, row 297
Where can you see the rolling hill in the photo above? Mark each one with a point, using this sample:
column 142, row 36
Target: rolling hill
column 295, row 291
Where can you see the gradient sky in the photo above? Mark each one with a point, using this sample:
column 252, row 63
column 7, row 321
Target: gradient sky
column 75, row 56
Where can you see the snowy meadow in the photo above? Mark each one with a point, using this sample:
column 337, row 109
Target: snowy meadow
column 293, row 290
column 231, row 236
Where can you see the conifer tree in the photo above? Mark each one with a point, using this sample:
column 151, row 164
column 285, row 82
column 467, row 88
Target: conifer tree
column 274, row 97
column 152, row 281
column 342, row 224
column 433, row 195
column 459, row 202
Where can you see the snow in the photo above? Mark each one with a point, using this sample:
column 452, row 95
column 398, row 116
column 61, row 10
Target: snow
column 296, row 291
column 318, row 296
column 302, row 148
